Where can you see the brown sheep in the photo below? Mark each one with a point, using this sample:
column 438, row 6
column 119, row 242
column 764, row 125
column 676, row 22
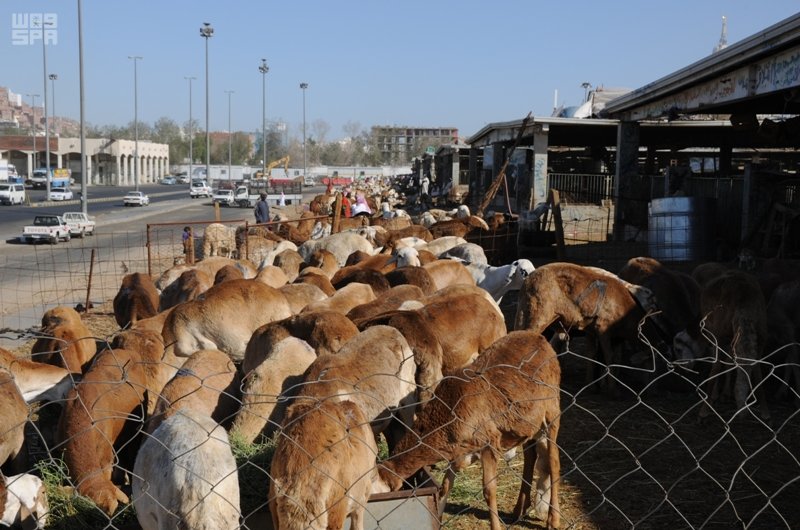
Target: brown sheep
column 104, row 413
column 289, row 262
column 224, row 319
column 783, row 325
column 508, row 396
column 344, row 299
column 299, row 295
column 189, row 285
column 36, row 381
column 228, row 272
column 208, row 383
column 412, row 276
column 375, row 369
column 582, row 298
column 315, row 276
column 391, row 236
column 389, row 301
column 373, row 278
column 325, row 331
column 267, row 388
column 458, row 227
column 14, row 415
column 272, row 276
column 137, row 298
column 447, row 272
column 209, row 266
column 67, row 342
column 219, row 240
column 393, row 223
column 325, row 260
column 323, row 467
column 734, row 312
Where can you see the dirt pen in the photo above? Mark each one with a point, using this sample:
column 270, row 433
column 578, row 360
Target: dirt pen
column 641, row 460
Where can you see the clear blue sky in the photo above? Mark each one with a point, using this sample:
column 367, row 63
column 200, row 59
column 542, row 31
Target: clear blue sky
column 424, row 63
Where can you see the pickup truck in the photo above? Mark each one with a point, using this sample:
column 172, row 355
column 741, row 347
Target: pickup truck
column 79, row 224
column 292, row 191
column 46, row 227
column 224, row 197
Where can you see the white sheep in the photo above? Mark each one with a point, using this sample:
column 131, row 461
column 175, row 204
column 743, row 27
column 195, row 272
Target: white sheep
column 185, row 476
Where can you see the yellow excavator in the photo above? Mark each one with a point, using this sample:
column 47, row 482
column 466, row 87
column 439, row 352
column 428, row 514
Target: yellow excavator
column 275, row 163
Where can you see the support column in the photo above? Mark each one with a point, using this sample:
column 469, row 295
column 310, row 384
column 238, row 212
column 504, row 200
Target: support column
column 540, row 181
column 29, row 166
column 59, row 160
column 725, row 161
column 627, row 171
column 119, row 168
column 89, row 170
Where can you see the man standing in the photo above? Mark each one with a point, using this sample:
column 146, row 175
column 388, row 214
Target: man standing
column 424, row 186
column 262, row 210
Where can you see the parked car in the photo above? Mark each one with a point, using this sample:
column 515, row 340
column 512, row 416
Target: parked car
column 183, row 179
column 46, row 227
column 12, row 193
column 136, row 198
column 223, row 197
column 169, row 181
column 60, row 194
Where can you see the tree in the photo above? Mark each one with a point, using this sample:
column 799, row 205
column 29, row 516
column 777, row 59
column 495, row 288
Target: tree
column 166, row 131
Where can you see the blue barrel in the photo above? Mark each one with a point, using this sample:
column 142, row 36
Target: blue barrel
column 681, row 228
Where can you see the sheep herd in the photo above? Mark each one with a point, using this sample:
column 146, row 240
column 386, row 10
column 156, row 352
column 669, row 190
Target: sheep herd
column 334, row 346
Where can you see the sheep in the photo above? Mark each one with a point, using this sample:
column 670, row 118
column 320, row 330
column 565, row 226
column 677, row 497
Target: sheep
column 413, row 276
column 341, row 245
column 497, row 281
column 104, row 412
column 468, row 252
column 267, row 388
column 189, row 286
column 255, row 249
column 68, row 342
column 373, row 278
column 299, row 295
column 323, row 467
column 389, row 237
column 323, row 259
column 23, row 502
column 14, row 415
column 389, row 301
column 508, row 396
column 289, row 261
column 314, row 276
column 207, row 382
column 344, row 299
column 326, row 332
column 582, row 298
column 225, row 319
column 271, row 256
column 209, row 266
column 137, row 298
column 458, row 227
column 272, row 276
column 448, row 272
column 783, row 326
column 36, row 381
column 185, row 476
column 219, row 240
column 228, row 272
column 375, row 369
column 734, row 312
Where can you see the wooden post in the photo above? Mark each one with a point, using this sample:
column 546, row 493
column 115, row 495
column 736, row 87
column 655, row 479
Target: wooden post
column 555, row 200
column 89, row 284
column 337, row 213
column 501, row 176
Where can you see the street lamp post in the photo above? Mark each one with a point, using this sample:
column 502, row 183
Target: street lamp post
column 135, row 122
column 230, row 134
column 304, row 86
column 191, row 131
column 53, row 78
column 586, row 85
column 207, row 32
column 42, row 24
column 264, row 69
column 33, row 132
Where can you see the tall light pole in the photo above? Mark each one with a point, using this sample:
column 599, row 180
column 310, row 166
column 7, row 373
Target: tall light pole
column 586, row 85
column 53, row 78
column 230, row 134
column 207, row 32
column 264, row 69
column 191, row 138
column 135, row 122
column 304, row 86
column 33, row 132
column 84, row 178
column 42, row 24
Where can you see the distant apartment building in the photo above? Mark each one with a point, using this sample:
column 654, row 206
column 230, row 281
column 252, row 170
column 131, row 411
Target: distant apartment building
column 399, row 144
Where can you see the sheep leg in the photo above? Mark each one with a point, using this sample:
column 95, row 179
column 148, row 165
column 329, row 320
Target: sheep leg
column 489, row 463
column 610, row 359
column 450, row 475
column 547, row 451
column 357, row 518
column 524, row 499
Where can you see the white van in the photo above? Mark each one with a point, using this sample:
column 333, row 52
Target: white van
column 12, row 193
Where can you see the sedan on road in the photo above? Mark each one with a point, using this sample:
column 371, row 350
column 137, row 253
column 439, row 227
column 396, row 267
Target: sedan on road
column 136, row 198
column 60, row 194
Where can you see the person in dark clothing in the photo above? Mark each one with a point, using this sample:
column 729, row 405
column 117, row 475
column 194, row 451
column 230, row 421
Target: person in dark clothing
column 262, row 210
column 188, row 245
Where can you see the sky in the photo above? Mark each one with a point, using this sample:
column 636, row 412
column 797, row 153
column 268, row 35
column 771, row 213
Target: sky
column 423, row 63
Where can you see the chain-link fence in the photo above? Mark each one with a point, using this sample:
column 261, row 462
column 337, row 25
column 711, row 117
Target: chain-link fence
column 640, row 456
